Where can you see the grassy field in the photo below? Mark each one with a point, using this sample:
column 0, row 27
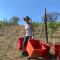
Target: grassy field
column 8, row 42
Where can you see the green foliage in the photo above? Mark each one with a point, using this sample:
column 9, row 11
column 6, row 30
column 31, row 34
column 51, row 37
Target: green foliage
column 58, row 23
column 52, row 21
column 35, row 24
column 53, row 26
column 3, row 22
column 14, row 20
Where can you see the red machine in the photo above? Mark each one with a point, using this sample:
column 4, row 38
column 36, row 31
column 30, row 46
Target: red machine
column 34, row 48
column 57, row 51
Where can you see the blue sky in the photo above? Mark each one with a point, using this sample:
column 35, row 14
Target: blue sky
column 32, row 8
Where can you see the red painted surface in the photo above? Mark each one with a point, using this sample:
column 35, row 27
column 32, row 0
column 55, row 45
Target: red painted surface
column 35, row 48
column 19, row 43
column 57, row 50
column 46, row 52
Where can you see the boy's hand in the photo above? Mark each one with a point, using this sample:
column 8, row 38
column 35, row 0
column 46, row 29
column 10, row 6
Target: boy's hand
column 32, row 37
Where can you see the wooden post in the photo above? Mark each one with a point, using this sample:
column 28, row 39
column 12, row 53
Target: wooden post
column 45, row 21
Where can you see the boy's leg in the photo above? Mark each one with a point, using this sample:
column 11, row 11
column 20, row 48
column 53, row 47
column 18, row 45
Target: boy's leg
column 25, row 41
column 24, row 45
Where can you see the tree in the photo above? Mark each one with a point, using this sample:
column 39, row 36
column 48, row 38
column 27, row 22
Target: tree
column 52, row 21
column 3, row 23
column 14, row 20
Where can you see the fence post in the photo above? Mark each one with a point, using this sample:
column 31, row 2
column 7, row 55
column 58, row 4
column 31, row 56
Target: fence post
column 45, row 21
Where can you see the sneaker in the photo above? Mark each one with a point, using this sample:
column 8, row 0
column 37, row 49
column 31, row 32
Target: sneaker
column 23, row 54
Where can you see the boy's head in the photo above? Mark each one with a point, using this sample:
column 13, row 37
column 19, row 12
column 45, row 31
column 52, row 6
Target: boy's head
column 27, row 19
